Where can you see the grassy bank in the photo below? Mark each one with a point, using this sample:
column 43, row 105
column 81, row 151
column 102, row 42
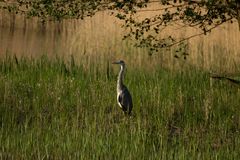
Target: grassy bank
column 53, row 110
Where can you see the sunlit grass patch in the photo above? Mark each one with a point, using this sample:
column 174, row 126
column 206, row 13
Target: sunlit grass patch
column 53, row 110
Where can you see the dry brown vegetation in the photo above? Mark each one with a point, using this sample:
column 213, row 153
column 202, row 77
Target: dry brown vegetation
column 100, row 38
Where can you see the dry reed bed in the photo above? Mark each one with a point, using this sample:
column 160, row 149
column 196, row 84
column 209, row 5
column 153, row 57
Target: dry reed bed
column 99, row 39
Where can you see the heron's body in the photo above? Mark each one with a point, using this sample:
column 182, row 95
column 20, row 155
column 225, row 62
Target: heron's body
column 124, row 97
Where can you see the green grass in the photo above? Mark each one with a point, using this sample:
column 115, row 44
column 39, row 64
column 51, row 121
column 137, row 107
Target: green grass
column 50, row 110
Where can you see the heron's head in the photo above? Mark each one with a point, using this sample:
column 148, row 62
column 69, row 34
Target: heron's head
column 121, row 62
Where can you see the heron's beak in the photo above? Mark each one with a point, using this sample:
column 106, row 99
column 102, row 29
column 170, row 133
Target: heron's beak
column 115, row 62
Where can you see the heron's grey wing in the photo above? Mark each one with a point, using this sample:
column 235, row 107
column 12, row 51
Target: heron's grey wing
column 125, row 99
column 121, row 102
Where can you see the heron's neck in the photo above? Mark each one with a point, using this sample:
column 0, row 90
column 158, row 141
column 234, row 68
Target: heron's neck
column 120, row 77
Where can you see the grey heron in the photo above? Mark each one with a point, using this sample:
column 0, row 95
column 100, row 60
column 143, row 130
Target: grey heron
column 124, row 97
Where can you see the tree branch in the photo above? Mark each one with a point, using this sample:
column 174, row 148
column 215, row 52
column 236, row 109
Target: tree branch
column 161, row 9
column 195, row 35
